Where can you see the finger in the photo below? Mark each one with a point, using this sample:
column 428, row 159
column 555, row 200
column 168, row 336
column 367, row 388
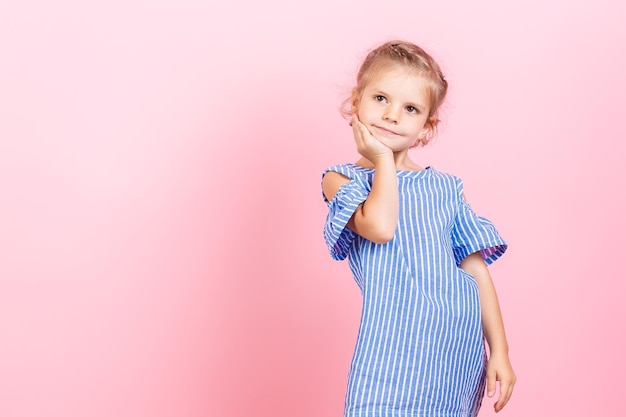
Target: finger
column 361, row 131
column 355, row 128
column 506, row 390
column 491, row 383
column 359, row 138
column 365, row 133
column 358, row 123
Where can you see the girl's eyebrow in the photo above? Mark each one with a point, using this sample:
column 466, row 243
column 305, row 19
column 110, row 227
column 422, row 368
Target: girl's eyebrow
column 378, row 91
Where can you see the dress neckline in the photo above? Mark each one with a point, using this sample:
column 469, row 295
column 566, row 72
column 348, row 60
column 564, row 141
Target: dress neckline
column 400, row 172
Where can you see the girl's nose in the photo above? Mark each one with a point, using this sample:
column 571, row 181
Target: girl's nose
column 391, row 114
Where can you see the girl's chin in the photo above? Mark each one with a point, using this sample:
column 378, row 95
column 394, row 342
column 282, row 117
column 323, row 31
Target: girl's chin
column 396, row 145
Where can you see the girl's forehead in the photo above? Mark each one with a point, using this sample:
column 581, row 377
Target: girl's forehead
column 399, row 77
column 395, row 72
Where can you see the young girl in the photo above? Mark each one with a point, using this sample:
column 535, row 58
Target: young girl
column 417, row 251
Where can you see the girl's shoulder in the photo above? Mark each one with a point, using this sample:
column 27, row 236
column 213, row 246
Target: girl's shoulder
column 442, row 180
column 349, row 170
column 454, row 183
column 348, row 175
column 445, row 175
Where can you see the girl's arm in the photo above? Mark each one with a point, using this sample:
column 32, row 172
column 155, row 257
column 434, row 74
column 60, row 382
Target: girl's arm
column 499, row 367
column 376, row 219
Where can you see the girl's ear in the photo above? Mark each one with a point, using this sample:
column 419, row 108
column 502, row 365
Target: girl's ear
column 424, row 137
column 431, row 124
column 428, row 131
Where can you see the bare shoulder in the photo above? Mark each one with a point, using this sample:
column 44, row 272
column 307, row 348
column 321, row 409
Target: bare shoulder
column 331, row 183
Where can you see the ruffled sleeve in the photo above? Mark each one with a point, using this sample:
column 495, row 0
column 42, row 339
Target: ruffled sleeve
column 341, row 207
column 472, row 233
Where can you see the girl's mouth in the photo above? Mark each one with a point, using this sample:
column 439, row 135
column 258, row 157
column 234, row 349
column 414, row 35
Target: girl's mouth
column 385, row 131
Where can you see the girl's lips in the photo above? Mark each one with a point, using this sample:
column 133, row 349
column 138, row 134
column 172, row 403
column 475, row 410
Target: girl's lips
column 387, row 131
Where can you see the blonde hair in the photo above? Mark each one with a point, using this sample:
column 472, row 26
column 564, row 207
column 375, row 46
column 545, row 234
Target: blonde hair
column 411, row 56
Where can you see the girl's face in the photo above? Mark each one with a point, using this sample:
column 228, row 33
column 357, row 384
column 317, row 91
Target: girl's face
column 394, row 107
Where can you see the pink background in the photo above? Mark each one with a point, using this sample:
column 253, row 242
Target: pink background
column 161, row 251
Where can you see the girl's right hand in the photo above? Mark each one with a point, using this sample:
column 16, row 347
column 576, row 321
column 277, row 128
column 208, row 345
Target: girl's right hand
column 366, row 144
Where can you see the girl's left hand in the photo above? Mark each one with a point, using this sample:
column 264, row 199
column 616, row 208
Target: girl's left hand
column 499, row 369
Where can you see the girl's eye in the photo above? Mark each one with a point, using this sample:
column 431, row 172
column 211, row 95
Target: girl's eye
column 379, row 98
column 412, row 109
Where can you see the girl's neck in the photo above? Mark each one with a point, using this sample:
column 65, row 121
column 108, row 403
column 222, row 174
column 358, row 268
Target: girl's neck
column 401, row 159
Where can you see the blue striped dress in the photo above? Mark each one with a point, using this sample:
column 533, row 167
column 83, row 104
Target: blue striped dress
column 420, row 349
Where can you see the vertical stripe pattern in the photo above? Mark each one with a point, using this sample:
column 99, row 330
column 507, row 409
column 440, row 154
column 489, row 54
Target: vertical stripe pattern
column 420, row 349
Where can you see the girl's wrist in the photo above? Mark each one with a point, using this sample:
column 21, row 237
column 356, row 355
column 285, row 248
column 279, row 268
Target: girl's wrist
column 499, row 349
column 384, row 160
